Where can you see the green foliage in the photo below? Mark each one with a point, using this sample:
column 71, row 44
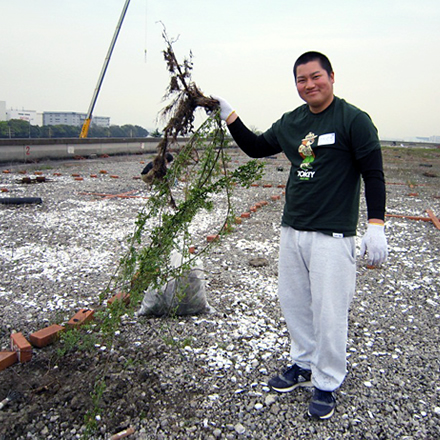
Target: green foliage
column 16, row 128
column 156, row 133
column 93, row 414
column 4, row 131
column 75, row 339
column 135, row 130
column 161, row 229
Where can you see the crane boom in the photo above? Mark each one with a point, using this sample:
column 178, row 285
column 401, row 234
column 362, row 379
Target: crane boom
column 86, row 125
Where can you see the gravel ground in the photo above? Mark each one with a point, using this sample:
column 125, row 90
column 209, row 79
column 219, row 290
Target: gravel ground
column 205, row 377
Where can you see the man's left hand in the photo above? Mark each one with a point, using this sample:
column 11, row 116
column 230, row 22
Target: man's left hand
column 374, row 243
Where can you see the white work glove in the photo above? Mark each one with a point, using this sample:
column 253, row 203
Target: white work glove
column 374, row 243
column 225, row 108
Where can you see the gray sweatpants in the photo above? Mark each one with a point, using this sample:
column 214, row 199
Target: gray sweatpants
column 317, row 276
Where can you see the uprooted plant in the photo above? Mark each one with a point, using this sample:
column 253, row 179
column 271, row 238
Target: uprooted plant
column 201, row 169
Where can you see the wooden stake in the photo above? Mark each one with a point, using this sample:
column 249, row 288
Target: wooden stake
column 434, row 219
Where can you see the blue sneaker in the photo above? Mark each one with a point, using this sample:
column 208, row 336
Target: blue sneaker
column 291, row 378
column 323, row 404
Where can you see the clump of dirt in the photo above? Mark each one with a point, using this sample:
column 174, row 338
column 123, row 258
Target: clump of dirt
column 185, row 97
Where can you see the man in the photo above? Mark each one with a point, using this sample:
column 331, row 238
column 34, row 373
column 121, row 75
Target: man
column 330, row 145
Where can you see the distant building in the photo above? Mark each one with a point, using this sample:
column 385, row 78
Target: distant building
column 2, row 110
column 73, row 118
column 421, row 139
column 101, row 121
column 63, row 118
column 30, row 116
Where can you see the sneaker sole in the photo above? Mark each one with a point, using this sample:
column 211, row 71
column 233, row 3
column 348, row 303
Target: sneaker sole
column 324, row 417
column 293, row 387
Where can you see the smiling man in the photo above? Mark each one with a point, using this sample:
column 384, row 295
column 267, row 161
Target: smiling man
column 315, row 85
column 331, row 144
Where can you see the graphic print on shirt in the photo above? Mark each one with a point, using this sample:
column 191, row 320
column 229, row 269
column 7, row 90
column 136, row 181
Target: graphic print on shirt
column 306, row 152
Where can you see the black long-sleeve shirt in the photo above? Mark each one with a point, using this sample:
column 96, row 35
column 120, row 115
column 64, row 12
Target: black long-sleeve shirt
column 370, row 165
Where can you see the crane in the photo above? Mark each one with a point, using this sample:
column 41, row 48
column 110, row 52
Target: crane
column 88, row 120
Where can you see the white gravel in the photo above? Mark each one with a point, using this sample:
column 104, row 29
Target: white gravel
column 57, row 257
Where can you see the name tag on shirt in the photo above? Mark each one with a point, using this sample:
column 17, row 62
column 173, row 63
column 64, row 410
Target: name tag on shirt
column 326, row 139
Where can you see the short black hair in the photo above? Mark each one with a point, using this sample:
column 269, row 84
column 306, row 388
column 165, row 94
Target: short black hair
column 313, row 56
column 169, row 157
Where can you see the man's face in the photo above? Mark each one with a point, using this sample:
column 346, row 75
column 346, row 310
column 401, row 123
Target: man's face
column 315, row 85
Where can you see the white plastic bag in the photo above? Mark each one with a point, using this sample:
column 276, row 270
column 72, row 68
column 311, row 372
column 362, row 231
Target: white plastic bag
column 183, row 295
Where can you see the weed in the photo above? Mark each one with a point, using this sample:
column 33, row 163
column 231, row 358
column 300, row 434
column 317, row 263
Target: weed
column 163, row 224
column 93, row 415
column 74, row 339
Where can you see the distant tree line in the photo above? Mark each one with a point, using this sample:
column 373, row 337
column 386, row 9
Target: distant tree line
column 17, row 128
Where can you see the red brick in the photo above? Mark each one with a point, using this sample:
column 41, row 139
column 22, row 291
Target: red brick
column 93, row 175
column 263, row 203
column 245, row 215
column 121, row 296
column 253, row 209
column 7, row 358
column 114, row 176
column 211, row 238
column 275, row 197
column 267, row 185
column 45, row 336
column 192, row 249
column 238, row 220
column 81, row 317
column 21, row 345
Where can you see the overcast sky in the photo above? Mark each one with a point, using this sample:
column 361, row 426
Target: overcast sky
column 385, row 54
